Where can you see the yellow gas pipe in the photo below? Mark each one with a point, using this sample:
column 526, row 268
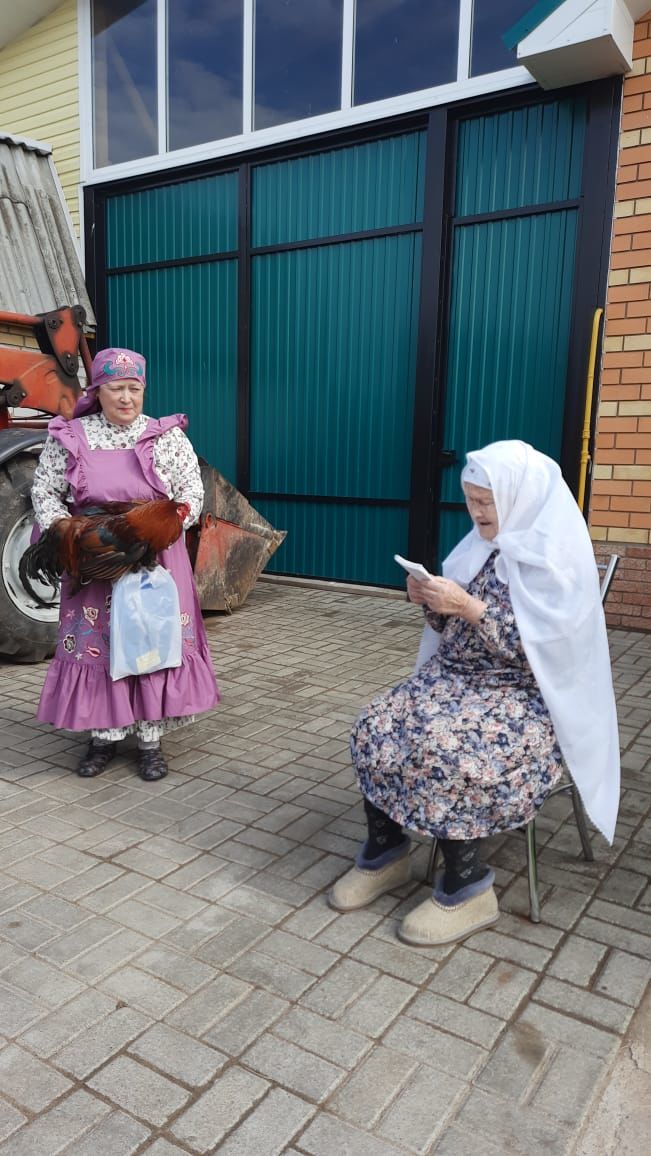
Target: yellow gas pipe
column 587, row 414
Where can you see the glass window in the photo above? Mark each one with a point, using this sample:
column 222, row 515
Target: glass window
column 204, row 70
column 124, row 80
column 403, row 46
column 491, row 19
column 298, row 46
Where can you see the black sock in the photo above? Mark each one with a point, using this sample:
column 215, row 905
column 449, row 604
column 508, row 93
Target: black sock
column 383, row 832
column 463, row 864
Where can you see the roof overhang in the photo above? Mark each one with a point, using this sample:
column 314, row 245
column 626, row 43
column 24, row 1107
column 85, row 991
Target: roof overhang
column 580, row 40
column 17, row 18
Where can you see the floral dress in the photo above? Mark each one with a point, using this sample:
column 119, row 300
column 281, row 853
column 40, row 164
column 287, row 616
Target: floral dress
column 465, row 747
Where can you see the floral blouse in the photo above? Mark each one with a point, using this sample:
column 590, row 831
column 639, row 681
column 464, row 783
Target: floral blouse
column 174, row 459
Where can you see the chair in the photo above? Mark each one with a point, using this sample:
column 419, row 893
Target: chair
column 566, row 787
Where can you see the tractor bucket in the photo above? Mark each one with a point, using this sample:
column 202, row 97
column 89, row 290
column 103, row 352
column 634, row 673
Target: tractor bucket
column 234, row 544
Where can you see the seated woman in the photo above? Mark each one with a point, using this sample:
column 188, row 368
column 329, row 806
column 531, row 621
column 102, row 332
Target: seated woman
column 513, row 677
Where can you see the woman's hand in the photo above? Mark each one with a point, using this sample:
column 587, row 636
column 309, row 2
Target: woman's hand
column 445, row 597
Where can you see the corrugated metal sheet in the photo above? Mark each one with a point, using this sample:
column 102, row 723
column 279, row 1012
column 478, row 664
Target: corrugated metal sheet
column 529, row 156
column 371, row 186
column 39, row 93
column 189, row 219
column 343, row 542
column 509, row 334
column 333, row 342
column 184, row 319
column 38, row 253
column 333, row 346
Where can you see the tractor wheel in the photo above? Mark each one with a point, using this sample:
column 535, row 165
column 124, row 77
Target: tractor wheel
column 28, row 632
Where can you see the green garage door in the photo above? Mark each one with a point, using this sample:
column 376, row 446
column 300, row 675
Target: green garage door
column 512, row 282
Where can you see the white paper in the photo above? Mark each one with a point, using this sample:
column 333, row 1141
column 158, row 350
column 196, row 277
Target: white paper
column 413, row 568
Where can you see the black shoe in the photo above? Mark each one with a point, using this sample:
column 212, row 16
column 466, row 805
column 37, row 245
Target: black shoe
column 151, row 764
column 96, row 759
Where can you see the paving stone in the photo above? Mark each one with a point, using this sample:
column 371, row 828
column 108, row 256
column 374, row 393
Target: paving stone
column 239, row 1028
column 20, row 929
column 202, row 927
column 200, row 1011
column 624, row 977
column 567, row 998
column 515, row 1064
column 298, row 952
column 372, row 1086
column 329, row 1040
column 270, row 1127
column 399, row 960
column 58, row 912
column 504, row 947
column 107, row 956
column 176, row 969
column 59, row 1127
column 32, row 1084
column 205, row 1123
column 34, row 977
column 294, row 1068
column 502, row 990
column 522, row 1130
column 577, row 961
column 115, row 1135
column 95, row 930
column 457, row 1018
column 311, row 919
column 17, row 1013
column 178, row 1055
column 151, row 996
column 139, row 1091
column 10, row 1120
column 101, row 1041
column 554, row 1026
column 460, row 974
column 327, row 1136
column 455, row 1142
column 332, row 995
column 272, row 974
column 164, row 1148
column 63, row 1025
column 240, row 934
column 421, row 1109
column 568, row 1086
column 430, row 1046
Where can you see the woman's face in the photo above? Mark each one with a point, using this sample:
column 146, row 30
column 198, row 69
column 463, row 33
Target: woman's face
column 121, row 401
column 481, row 508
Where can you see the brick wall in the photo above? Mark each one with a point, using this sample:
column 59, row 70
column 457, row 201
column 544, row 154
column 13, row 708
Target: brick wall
column 620, row 508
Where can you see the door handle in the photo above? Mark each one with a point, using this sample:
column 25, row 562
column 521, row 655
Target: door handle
column 448, row 458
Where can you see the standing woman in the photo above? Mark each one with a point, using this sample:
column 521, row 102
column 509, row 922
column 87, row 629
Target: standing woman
column 513, row 677
column 111, row 452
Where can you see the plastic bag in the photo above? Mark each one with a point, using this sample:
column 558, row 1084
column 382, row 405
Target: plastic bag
column 145, row 623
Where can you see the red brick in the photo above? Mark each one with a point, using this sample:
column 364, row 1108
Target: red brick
column 610, row 518
column 616, row 457
column 630, row 259
column 618, row 326
column 620, row 359
column 635, row 308
column 612, row 486
column 630, row 503
column 618, row 425
column 637, row 292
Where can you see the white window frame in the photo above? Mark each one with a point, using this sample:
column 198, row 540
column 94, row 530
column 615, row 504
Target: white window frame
column 349, row 115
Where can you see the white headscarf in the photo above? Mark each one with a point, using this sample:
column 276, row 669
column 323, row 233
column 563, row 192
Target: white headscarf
column 546, row 557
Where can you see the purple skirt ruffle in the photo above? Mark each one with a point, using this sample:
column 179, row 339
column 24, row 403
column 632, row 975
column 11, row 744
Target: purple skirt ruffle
column 82, row 696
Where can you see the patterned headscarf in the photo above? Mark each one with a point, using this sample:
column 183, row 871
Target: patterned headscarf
column 110, row 365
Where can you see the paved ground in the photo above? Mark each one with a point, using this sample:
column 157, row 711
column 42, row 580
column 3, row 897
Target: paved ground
column 172, row 981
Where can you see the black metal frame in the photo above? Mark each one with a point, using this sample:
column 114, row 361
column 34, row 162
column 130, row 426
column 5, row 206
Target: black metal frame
column 441, row 124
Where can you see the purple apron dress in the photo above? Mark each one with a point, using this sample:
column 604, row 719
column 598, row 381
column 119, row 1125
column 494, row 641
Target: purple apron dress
column 78, row 693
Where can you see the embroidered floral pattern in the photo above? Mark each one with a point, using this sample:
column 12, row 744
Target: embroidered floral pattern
column 464, row 748
column 69, row 643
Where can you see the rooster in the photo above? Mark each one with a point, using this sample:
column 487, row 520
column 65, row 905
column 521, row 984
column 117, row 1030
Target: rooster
column 103, row 542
